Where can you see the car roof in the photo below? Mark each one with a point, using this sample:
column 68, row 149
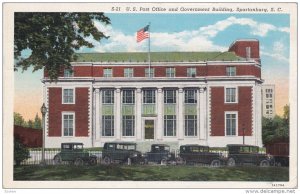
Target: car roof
column 121, row 142
column 195, row 145
column 160, row 145
column 241, row 145
column 72, row 143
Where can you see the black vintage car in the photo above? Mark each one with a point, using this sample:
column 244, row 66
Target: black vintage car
column 199, row 154
column 159, row 153
column 121, row 152
column 247, row 154
column 74, row 153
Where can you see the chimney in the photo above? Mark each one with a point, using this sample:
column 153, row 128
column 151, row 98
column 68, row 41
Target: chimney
column 248, row 53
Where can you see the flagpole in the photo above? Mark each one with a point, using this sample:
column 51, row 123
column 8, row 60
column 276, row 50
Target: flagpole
column 149, row 57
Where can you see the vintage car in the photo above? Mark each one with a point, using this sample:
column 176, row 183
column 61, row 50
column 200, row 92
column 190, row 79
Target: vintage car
column 247, row 154
column 159, row 153
column 74, row 152
column 123, row 152
column 199, row 154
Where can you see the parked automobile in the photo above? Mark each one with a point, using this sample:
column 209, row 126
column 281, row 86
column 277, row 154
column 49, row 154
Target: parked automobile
column 121, row 152
column 159, row 153
column 199, row 154
column 247, row 154
column 74, row 152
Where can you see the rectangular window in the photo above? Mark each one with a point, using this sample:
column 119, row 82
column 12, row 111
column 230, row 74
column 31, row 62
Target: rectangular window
column 149, row 74
column 68, row 96
column 170, row 72
column 128, row 72
column 128, row 125
column 190, row 125
column 170, row 125
column 128, row 97
column 108, row 96
column 191, row 72
column 68, row 73
column 231, row 123
column 149, row 96
column 108, row 125
column 231, row 71
column 107, row 72
column 231, row 95
column 190, row 96
column 170, row 96
column 68, row 124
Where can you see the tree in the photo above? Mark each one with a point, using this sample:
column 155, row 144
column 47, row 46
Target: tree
column 18, row 119
column 37, row 124
column 286, row 113
column 30, row 124
column 53, row 38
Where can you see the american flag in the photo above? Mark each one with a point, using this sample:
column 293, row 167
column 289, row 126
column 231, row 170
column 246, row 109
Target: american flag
column 142, row 34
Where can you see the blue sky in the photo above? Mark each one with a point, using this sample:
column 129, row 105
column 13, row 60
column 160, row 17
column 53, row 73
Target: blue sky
column 185, row 32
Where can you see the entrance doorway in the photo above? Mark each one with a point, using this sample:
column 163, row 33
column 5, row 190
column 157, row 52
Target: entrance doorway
column 149, row 129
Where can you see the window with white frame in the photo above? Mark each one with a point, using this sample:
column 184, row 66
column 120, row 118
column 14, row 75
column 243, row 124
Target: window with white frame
column 231, row 95
column 170, row 125
column 128, row 72
column 190, row 126
column 108, row 96
column 128, row 96
column 149, row 73
column 149, row 96
column 128, row 125
column 68, row 123
column 107, row 72
column 68, row 73
column 190, row 96
column 191, row 72
column 68, row 96
column 169, row 96
column 231, row 71
column 170, row 72
column 108, row 125
column 231, row 124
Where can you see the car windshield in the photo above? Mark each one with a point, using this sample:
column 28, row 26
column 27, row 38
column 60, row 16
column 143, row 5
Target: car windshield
column 126, row 146
column 78, row 147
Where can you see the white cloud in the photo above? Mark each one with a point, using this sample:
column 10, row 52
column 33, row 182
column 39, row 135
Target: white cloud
column 196, row 40
column 277, row 52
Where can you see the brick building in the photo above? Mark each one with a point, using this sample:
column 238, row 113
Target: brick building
column 208, row 98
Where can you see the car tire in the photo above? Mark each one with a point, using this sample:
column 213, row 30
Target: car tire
column 78, row 162
column 163, row 161
column 231, row 162
column 106, row 160
column 57, row 159
column 93, row 161
column 264, row 163
column 278, row 164
column 215, row 163
column 180, row 160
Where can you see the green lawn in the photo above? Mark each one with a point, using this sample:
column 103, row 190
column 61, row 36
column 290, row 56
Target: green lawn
column 151, row 173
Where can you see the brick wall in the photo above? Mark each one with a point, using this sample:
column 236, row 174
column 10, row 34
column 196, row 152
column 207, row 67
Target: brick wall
column 243, row 107
column 239, row 47
column 80, row 108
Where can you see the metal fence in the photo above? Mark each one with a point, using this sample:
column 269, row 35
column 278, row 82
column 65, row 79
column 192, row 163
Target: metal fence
column 36, row 157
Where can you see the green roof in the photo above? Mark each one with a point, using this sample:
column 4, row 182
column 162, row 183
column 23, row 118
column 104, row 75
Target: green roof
column 157, row 57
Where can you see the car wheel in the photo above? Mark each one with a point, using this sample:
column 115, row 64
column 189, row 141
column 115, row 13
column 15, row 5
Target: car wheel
column 93, row 161
column 57, row 159
column 180, row 160
column 264, row 163
column 215, row 163
column 231, row 162
column 278, row 164
column 78, row 162
column 163, row 162
column 106, row 160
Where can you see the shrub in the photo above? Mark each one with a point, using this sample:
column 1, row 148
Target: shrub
column 21, row 153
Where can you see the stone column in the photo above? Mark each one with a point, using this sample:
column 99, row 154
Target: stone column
column 117, row 114
column 160, row 106
column 138, row 114
column 180, row 120
column 202, row 114
column 98, row 116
